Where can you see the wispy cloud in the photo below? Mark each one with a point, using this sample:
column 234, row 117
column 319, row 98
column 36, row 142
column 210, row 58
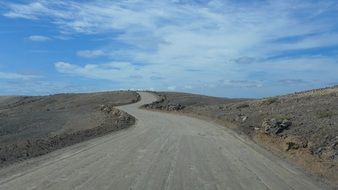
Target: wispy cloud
column 293, row 81
column 227, row 41
column 90, row 53
column 172, row 88
column 16, row 76
column 115, row 71
column 39, row 38
column 226, row 28
column 244, row 83
column 35, row 10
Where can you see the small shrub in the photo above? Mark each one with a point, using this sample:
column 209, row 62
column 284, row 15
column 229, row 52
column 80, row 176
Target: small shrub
column 243, row 106
column 325, row 114
column 270, row 101
column 282, row 117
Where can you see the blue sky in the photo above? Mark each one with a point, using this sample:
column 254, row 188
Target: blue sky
column 231, row 48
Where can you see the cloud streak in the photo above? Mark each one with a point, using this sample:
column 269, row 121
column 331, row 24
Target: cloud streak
column 217, row 40
column 39, row 38
column 16, row 76
column 115, row 71
column 90, row 53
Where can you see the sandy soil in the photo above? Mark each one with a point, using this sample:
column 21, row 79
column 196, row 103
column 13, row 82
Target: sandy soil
column 162, row 151
column 311, row 140
column 32, row 126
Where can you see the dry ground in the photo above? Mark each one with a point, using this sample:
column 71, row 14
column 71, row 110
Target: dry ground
column 34, row 125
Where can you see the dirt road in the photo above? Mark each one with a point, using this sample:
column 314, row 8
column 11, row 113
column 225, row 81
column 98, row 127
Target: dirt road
column 163, row 151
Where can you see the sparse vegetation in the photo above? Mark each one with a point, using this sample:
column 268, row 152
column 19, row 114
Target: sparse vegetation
column 243, row 106
column 270, row 101
column 325, row 114
column 282, row 117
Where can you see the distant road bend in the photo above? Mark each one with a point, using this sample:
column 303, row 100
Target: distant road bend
column 163, row 151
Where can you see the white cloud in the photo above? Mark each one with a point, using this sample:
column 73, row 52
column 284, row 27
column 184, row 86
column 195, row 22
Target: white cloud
column 38, row 38
column 115, row 71
column 180, row 32
column 172, row 88
column 37, row 9
column 128, row 75
column 43, row 87
column 195, row 45
column 90, row 53
column 244, row 83
column 16, row 76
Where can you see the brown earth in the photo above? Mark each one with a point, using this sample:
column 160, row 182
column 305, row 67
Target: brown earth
column 301, row 127
column 35, row 125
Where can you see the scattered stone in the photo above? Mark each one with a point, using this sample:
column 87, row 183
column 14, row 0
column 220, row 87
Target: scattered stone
column 334, row 145
column 116, row 112
column 244, row 118
column 318, row 151
column 275, row 127
column 106, row 109
column 174, row 107
column 110, row 110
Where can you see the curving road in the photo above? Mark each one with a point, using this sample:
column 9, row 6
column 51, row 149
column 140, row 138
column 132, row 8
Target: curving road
column 163, row 151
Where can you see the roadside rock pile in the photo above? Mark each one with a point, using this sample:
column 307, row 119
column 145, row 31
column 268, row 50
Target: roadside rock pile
column 328, row 150
column 274, row 126
column 106, row 109
column 170, row 107
column 138, row 98
column 160, row 105
column 174, row 107
column 116, row 113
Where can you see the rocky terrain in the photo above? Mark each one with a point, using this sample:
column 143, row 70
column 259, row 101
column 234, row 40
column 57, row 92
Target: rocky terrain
column 32, row 126
column 302, row 127
column 176, row 101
